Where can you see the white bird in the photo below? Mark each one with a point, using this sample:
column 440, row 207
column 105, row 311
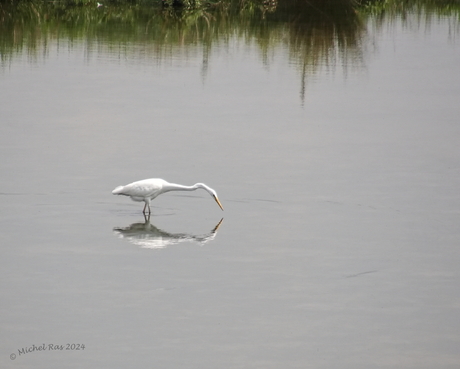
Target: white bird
column 147, row 189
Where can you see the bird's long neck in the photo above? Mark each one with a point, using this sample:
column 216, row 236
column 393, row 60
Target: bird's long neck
column 177, row 187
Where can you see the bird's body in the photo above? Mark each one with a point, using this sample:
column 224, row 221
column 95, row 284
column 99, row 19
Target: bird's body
column 148, row 189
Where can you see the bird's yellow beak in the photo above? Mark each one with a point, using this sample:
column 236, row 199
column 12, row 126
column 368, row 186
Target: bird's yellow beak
column 218, row 202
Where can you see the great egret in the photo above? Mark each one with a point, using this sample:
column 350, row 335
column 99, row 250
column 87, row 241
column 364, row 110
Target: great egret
column 147, row 189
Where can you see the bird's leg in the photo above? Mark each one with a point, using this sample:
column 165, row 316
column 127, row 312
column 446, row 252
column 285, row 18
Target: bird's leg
column 146, row 206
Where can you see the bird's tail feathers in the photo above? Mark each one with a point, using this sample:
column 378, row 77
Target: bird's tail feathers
column 118, row 190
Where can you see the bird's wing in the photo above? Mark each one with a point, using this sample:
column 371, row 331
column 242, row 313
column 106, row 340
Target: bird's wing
column 145, row 188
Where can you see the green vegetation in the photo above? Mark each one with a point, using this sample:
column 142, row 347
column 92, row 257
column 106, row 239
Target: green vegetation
column 302, row 22
column 317, row 33
column 161, row 22
column 401, row 8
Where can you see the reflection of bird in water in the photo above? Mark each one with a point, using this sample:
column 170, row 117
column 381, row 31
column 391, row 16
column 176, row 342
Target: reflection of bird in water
column 147, row 189
column 147, row 236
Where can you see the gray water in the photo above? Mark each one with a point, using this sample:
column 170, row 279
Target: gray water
column 339, row 244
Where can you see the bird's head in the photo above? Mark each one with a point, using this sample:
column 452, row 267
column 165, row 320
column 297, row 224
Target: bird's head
column 211, row 192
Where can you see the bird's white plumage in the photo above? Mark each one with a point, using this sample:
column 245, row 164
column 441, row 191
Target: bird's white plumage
column 138, row 191
column 147, row 189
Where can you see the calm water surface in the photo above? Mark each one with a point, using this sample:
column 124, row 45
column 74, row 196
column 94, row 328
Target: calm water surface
column 338, row 246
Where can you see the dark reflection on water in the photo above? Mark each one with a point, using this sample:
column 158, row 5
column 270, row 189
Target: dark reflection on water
column 300, row 23
column 321, row 31
column 317, row 34
column 147, row 236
